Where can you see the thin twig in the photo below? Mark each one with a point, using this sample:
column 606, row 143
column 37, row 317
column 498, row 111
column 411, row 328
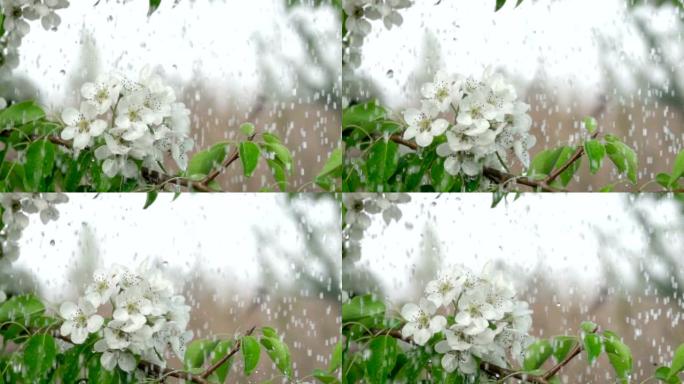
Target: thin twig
column 493, row 174
column 225, row 358
column 575, row 156
column 204, row 183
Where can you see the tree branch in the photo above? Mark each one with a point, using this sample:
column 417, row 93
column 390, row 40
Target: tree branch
column 493, row 174
column 153, row 370
column 501, row 372
column 156, row 177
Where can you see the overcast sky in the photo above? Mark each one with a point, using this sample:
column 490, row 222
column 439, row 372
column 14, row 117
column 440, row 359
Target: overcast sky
column 216, row 39
column 555, row 232
column 558, row 38
column 214, row 231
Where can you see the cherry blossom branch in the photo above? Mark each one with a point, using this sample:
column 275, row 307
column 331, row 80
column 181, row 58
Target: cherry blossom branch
column 152, row 369
column 498, row 371
column 152, row 176
column 493, row 174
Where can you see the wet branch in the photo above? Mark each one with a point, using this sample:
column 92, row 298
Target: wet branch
column 153, row 370
column 225, row 358
column 493, row 174
column 500, row 372
column 575, row 156
column 156, row 177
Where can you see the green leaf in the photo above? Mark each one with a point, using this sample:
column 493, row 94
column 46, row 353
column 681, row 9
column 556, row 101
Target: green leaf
column 251, row 353
column 333, row 165
column 279, row 354
column 441, row 179
column 619, row 355
column 197, row 352
column 499, row 4
column 677, row 362
column 362, row 114
column 663, row 374
column 221, row 350
column 588, row 326
column 336, row 359
column 622, row 156
column 383, row 160
column 151, row 197
column 39, row 355
column 247, row 129
column 663, row 179
column 331, row 170
column 592, row 345
column 360, row 307
column 77, row 169
column 279, row 173
column 271, row 138
column 20, row 308
column 595, row 152
column 74, row 360
column 562, row 346
column 20, row 114
column 566, row 176
column 154, row 4
column 204, row 162
column 544, row 162
column 281, row 153
column 536, row 354
column 324, row 377
column 383, row 357
column 249, row 156
column 678, row 169
column 269, row 332
column 40, row 160
column 590, row 124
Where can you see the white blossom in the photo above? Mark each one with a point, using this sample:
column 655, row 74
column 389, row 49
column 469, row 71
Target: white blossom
column 487, row 322
column 82, row 126
column 148, row 124
column 423, row 124
column 79, row 320
column 15, row 210
column 421, row 325
column 17, row 14
column 148, row 318
column 488, row 122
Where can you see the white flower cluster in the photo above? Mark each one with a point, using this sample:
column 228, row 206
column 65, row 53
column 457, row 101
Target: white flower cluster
column 17, row 14
column 489, row 322
column 489, row 121
column 359, row 207
column 148, row 318
column 129, row 120
column 16, row 208
column 357, row 24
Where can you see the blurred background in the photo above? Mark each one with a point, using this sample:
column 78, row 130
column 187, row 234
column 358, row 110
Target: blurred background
column 621, row 62
column 614, row 259
column 273, row 62
column 241, row 260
